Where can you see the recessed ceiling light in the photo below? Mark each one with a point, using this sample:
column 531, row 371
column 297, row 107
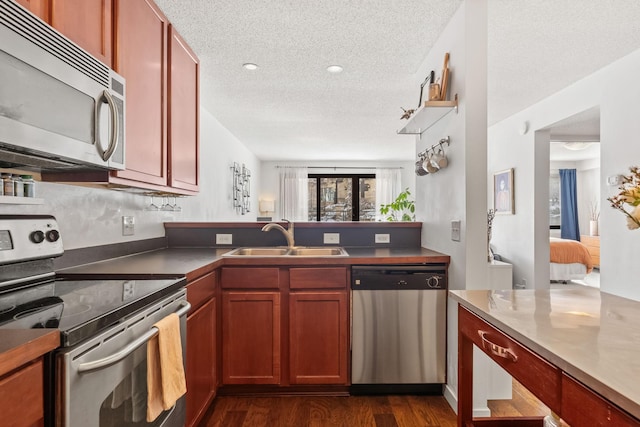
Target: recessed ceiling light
column 334, row 69
column 250, row 66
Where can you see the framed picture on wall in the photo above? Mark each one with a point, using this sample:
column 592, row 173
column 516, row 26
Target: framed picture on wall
column 503, row 192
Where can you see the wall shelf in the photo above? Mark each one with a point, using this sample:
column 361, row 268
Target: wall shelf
column 11, row 200
column 428, row 115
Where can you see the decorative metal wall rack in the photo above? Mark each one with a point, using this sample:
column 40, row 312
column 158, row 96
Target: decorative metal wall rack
column 446, row 140
column 241, row 188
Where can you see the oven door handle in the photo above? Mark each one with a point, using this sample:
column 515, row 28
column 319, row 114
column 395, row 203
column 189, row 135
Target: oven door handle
column 130, row 348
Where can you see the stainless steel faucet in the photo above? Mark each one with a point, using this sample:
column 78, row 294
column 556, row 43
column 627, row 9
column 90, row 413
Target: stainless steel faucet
column 287, row 233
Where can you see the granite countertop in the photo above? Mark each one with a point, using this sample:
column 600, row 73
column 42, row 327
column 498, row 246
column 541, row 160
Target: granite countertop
column 194, row 262
column 591, row 335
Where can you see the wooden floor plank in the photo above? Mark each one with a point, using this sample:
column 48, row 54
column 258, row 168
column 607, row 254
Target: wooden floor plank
column 385, row 420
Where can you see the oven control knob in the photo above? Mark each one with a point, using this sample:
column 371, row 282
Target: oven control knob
column 37, row 236
column 53, row 235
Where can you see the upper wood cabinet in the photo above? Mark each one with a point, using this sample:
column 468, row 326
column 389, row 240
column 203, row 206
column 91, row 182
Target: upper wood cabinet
column 86, row 22
column 141, row 57
column 40, row 8
column 184, row 114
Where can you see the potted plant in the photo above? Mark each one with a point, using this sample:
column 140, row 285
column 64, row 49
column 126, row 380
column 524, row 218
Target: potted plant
column 401, row 209
column 594, row 215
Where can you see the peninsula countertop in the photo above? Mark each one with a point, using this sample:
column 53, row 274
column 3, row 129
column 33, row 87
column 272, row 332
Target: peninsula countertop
column 591, row 335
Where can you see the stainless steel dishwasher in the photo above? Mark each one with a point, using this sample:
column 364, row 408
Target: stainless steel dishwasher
column 398, row 342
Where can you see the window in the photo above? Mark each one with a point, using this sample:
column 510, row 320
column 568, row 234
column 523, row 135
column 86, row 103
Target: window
column 342, row 197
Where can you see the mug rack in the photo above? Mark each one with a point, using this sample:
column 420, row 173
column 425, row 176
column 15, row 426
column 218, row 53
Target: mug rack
column 424, row 153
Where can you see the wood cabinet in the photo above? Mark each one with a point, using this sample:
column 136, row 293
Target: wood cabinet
column 285, row 326
column 593, row 246
column 40, row 8
column 184, row 114
column 251, row 337
column 141, row 57
column 163, row 77
column 22, row 396
column 201, row 360
column 318, row 337
column 86, row 22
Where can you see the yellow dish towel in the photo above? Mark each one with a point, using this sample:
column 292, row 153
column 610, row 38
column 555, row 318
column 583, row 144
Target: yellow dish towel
column 165, row 372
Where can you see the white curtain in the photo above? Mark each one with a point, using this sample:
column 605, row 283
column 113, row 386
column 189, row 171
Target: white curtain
column 294, row 193
column 388, row 186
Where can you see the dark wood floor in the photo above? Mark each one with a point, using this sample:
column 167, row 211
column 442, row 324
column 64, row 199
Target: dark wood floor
column 356, row 411
column 353, row 411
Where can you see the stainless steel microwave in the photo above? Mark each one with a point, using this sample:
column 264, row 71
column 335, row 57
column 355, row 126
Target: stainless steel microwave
column 60, row 108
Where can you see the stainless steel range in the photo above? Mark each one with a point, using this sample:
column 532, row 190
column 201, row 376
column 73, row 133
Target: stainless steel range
column 98, row 374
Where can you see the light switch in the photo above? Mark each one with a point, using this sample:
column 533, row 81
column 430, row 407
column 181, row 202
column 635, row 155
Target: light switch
column 455, row 230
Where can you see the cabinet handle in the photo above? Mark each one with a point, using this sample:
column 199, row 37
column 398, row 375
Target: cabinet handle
column 495, row 349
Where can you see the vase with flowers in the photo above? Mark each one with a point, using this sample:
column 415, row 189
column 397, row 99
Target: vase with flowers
column 594, row 215
column 629, row 195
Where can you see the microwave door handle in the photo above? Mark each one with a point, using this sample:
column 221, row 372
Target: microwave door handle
column 129, row 348
column 113, row 142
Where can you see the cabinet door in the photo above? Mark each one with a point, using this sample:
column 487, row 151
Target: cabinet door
column 86, row 22
column 184, row 114
column 318, row 337
column 251, row 337
column 40, row 8
column 22, row 397
column 141, row 48
column 201, row 361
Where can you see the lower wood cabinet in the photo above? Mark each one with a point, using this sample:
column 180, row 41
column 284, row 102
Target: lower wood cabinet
column 201, row 360
column 251, row 337
column 22, row 397
column 318, row 337
column 285, row 326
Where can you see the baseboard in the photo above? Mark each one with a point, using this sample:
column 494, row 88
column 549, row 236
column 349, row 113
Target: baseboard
column 452, row 400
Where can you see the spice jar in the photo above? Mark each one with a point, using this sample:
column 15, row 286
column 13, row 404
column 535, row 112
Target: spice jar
column 29, row 185
column 18, row 189
column 7, row 184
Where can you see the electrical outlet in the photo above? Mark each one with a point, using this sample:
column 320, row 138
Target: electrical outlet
column 224, row 239
column 331, row 238
column 383, row 238
column 128, row 226
column 455, row 230
column 128, row 290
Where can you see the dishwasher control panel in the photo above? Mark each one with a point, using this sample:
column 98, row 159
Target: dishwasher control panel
column 398, row 277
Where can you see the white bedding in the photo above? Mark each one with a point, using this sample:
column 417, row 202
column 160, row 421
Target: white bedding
column 561, row 272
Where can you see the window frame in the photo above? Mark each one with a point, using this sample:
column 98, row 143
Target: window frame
column 355, row 189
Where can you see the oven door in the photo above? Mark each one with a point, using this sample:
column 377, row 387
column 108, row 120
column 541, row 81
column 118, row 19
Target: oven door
column 102, row 381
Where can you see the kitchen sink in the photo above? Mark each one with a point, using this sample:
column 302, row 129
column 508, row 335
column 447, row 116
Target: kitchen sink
column 258, row 252
column 318, row 252
column 293, row 252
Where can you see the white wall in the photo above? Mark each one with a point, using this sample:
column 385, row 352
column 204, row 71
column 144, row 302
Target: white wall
column 269, row 179
column 459, row 191
column 92, row 216
column 522, row 238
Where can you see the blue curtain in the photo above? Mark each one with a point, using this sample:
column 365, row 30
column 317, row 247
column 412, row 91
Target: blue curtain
column 569, row 228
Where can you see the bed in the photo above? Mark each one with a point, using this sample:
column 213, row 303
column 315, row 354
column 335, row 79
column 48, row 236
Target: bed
column 570, row 260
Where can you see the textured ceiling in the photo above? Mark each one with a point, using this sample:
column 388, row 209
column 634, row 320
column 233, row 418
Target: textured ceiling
column 292, row 109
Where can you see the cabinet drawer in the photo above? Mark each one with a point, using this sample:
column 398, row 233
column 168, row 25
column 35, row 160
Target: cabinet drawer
column 535, row 373
column 250, row 278
column 21, row 397
column 318, row 278
column 201, row 290
column 582, row 407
